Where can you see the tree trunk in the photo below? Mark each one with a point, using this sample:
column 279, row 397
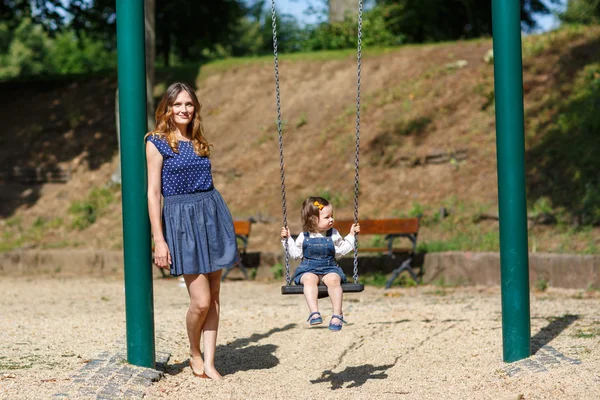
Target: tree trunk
column 150, row 40
column 150, row 18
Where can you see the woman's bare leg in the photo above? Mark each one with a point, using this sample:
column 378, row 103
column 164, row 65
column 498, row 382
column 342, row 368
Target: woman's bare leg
column 211, row 326
column 199, row 292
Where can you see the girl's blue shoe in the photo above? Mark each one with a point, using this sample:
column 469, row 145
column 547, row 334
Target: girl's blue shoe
column 332, row 326
column 315, row 321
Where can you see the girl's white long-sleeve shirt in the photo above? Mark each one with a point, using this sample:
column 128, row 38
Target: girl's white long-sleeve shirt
column 342, row 245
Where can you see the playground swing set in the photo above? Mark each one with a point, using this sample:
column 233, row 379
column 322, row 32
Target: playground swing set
column 355, row 286
column 508, row 78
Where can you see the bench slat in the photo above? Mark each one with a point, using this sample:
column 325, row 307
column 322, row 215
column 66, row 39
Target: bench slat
column 383, row 250
column 242, row 227
column 380, row 226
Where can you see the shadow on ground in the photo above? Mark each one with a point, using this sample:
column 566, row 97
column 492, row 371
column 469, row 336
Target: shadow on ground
column 551, row 331
column 354, row 376
column 241, row 355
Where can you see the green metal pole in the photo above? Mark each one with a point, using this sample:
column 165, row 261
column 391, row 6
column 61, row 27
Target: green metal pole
column 510, row 142
column 136, row 226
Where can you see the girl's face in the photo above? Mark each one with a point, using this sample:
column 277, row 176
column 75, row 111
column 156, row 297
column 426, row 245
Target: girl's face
column 325, row 219
column 183, row 108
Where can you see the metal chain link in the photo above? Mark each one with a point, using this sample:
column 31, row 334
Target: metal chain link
column 356, row 163
column 288, row 278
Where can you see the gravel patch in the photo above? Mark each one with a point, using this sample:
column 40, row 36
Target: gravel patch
column 65, row 338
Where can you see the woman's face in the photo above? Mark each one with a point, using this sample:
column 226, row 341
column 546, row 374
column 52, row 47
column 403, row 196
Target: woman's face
column 183, row 109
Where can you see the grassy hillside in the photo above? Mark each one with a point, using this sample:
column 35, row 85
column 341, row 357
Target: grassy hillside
column 427, row 143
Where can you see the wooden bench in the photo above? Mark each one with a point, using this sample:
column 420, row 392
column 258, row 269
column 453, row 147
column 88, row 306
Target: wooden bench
column 393, row 228
column 242, row 233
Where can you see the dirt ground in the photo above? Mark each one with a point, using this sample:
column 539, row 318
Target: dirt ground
column 417, row 343
column 414, row 108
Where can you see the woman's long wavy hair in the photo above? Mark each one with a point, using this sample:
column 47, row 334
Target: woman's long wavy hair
column 165, row 127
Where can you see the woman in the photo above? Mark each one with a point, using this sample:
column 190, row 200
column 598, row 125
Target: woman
column 194, row 236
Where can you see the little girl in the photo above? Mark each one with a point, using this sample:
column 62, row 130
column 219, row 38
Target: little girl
column 318, row 245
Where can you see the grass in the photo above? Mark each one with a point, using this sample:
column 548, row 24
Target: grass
column 16, row 235
column 277, row 270
column 301, row 121
column 541, row 285
column 565, row 177
column 458, row 231
column 590, row 332
column 473, row 238
column 46, row 232
column 379, row 280
column 85, row 212
column 336, row 198
column 13, row 366
column 445, row 284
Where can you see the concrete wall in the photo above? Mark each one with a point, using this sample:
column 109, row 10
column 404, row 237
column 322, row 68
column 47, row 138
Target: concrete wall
column 558, row 270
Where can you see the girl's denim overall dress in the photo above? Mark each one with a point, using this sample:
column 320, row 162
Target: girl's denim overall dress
column 318, row 257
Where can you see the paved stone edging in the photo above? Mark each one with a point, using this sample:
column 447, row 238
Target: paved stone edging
column 110, row 377
column 546, row 356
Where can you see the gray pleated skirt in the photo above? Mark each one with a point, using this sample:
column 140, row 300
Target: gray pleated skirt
column 199, row 232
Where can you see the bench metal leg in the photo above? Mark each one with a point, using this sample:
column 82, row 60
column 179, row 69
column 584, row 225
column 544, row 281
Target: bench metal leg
column 240, row 266
column 405, row 266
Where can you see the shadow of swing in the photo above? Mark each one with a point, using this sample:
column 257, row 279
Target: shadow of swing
column 354, row 376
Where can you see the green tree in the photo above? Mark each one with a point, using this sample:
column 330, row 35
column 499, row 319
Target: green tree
column 27, row 53
column 183, row 27
column 69, row 54
column 436, row 20
column 582, row 11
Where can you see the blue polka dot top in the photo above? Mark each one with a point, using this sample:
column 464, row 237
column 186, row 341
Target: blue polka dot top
column 182, row 173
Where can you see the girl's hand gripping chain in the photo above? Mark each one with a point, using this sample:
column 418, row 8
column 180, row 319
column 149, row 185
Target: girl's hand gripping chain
column 355, row 229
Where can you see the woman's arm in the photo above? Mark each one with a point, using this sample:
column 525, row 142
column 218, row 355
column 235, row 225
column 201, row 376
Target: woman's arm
column 154, row 160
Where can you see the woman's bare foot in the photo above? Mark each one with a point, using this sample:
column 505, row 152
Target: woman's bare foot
column 197, row 366
column 212, row 373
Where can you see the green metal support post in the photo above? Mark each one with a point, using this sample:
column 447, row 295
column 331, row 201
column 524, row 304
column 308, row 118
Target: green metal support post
column 510, row 143
column 139, row 308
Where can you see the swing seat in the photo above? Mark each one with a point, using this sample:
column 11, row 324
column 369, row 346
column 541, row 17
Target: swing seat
column 346, row 287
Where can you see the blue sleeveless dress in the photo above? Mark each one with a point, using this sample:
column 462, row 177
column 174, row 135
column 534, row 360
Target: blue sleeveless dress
column 197, row 224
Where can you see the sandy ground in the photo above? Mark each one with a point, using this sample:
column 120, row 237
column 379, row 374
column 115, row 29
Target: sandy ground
column 418, row 343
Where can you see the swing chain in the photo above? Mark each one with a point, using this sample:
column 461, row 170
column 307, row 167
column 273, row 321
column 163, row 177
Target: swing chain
column 288, row 278
column 356, row 184
column 280, row 132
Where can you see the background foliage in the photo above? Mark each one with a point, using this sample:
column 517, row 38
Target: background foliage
column 79, row 36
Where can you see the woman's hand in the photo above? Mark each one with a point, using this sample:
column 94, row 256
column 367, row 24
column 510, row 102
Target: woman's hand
column 355, row 229
column 162, row 255
column 285, row 233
